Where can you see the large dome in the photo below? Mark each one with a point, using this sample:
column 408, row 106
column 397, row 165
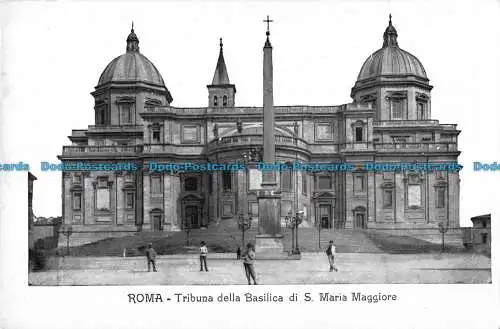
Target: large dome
column 391, row 60
column 131, row 66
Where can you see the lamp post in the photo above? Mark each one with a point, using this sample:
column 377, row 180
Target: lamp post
column 244, row 224
column 442, row 229
column 319, row 236
column 293, row 222
column 299, row 217
column 290, row 225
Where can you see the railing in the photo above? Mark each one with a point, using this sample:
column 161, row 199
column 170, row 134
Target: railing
column 76, row 149
column 405, row 123
column 172, row 148
column 410, row 147
column 115, row 128
column 78, row 133
column 298, row 109
column 255, row 139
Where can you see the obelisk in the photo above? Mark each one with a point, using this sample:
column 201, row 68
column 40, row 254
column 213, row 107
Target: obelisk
column 269, row 240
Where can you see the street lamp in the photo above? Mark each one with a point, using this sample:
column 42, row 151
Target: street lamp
column 442, row 229
column 289, row 224
column 293, row 222
column 299, row 217
column 244, row 224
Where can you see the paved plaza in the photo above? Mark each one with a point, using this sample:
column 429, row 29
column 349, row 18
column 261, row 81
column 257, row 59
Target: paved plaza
column 224, row 269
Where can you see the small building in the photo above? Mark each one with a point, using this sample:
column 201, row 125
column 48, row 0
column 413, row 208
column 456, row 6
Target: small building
column 479, row 235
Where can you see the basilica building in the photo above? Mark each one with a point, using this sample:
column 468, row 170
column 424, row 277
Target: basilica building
column 389, row 121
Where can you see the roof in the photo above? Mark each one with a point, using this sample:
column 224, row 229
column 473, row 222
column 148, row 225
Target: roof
column 391, row 60
column 220, row 75
column 131, row 66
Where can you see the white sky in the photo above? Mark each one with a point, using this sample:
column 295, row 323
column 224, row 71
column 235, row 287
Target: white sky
column 54, row 53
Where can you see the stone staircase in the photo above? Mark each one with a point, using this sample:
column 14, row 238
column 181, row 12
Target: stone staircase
column 345, row 241
column 227, row 239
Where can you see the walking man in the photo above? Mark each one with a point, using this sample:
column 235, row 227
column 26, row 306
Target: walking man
column 330, row 252
column 203, row 255
column 151, row 256
column 248, row 263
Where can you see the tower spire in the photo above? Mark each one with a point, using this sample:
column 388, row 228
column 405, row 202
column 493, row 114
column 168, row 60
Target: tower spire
column 220, row 76
column 390, row 35
column 132, row 40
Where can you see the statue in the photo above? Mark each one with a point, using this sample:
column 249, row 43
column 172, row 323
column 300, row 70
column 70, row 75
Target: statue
column 239, row 126
column 296, row 129
column 216, row 131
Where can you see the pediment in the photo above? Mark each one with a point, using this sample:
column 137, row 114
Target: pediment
column 324, row 195
column 191, row 196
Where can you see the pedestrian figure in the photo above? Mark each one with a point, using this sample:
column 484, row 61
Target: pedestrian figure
column 330, row 252
column 248, row 263
column 238, row 253
column 151, row 256
column 203, row 255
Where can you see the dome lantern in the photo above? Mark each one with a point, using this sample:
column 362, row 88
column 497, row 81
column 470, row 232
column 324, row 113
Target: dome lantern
column 132, row 41
column 390, row 35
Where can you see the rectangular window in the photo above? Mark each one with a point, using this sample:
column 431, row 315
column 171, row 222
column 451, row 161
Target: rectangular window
column 286, row 180
column 190, row 184
column 155, row 185
column 102, row 199
column 397, row 109
column 359, row 183
column 77, row 201
column 304, row 183
column 129, row 200
column 324, row 182
column 420, row 111
column 484, row 238
column 440, row 198
column 227, row 183
column 387, row 198
column 126, row 113
column 359, row 134
column 414, row 196
column 156, row 136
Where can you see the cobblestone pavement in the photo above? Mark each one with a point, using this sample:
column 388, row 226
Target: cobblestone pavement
column 224, row 269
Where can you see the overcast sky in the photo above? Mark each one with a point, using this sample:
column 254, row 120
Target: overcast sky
column 54, row 53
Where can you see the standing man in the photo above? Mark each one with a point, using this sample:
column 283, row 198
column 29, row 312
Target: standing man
column 330, row 252
column 203, row 255
column 248, row 263
column 151, row 256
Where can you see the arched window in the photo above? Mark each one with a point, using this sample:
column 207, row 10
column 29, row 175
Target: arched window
column 224, row 100
column 215, row 100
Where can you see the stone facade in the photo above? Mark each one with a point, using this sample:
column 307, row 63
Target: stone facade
column 389, row 121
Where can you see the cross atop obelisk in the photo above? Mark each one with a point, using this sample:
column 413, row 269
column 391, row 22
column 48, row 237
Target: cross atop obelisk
column 267, row 20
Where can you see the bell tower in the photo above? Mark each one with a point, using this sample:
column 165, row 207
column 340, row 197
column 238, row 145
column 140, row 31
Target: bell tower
column 221, row 92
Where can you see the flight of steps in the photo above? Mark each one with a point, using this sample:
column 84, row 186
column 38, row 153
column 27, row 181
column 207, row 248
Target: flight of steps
column 345, row 241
